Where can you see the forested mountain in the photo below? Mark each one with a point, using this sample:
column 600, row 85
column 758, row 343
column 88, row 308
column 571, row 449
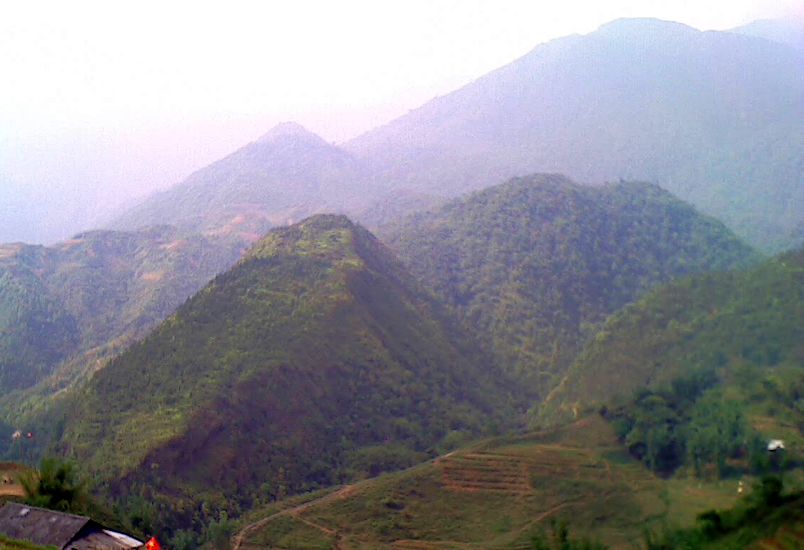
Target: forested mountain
column 64, row 308
column 316, row 358
column 714, row 117
column 284, row 176
column 535, row 264
column 745, row 328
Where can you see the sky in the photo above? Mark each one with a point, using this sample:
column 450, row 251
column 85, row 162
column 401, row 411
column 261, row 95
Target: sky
column 103, row 102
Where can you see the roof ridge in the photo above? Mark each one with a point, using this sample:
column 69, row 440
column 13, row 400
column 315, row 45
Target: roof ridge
column 40, row 509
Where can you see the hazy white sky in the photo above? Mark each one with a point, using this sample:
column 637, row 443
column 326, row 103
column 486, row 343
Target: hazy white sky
column 124, row 97
column 338, row 66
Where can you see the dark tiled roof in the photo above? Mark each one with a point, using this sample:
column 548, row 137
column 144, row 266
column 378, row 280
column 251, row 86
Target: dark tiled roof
column 39, row 526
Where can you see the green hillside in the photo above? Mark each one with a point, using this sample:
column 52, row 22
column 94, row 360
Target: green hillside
column 746, row 328
column 536, row 264
column 316, row 359
column 64, row 309
column 496, row 494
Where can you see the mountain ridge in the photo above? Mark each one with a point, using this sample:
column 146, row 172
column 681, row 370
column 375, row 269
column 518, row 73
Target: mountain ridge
column 315, row 358
column 680, row 111
column 65, row 309
column 287, row 174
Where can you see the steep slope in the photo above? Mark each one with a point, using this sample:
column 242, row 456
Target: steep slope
column 748, row 327
column 287, row 174
column 66, row 307
column 714, row 117
column 316, row 358
column 534, row 264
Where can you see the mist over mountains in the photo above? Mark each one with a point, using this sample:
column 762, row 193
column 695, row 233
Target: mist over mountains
column 591, row 233
column 286, row 175
column 713, row 117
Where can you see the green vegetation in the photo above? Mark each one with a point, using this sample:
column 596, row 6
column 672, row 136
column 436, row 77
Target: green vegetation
column 496, row 494
column 10, row 544
column 66, row 309
column 689, row 422
column 284, row 374
column 559, row 539
column 740, row 331
column 55, row 485
column 535, row 265
column 765, row 516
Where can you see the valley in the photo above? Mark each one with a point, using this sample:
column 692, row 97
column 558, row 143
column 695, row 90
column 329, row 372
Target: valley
column 559, row 307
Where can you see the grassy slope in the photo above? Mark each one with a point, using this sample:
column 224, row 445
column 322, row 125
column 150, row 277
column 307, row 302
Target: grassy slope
column 493, row 495
column 748, row 325
column 10, row 544
column 535, row 264
column 316, row 358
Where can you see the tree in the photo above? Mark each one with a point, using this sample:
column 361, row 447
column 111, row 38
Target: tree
column 717, row 431
column 55, row 485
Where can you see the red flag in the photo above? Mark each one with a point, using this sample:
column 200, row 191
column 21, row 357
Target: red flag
column 153, row 544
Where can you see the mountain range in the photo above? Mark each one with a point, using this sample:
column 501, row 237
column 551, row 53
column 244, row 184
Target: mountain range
column 317, row 357
column 237, row 339
column 717, row 340
column 713, row 117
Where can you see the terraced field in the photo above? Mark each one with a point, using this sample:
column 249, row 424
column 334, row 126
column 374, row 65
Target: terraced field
column 485, row 472
column 493, row 495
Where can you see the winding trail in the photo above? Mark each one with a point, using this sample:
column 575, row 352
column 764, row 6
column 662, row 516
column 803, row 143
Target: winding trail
column 294, row 512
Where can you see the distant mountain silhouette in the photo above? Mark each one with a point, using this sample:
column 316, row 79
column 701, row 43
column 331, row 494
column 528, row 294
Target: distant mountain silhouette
column 784, row 30
column 714, row 117
column 287, row 174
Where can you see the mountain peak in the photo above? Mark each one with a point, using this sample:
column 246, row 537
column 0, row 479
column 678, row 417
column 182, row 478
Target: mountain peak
column 292, row 130
column 627, row 26
column 318, row 235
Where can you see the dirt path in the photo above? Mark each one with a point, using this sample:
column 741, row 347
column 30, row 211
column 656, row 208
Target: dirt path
column 12, row 491
column 294, row 512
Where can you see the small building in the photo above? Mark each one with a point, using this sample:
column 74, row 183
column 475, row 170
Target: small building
column 63, row 531
column 775, row 445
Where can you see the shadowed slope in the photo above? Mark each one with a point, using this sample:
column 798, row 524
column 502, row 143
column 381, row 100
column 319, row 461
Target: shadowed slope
column 317, row 357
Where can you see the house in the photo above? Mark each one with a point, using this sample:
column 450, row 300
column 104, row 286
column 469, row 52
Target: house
column 63, row 531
